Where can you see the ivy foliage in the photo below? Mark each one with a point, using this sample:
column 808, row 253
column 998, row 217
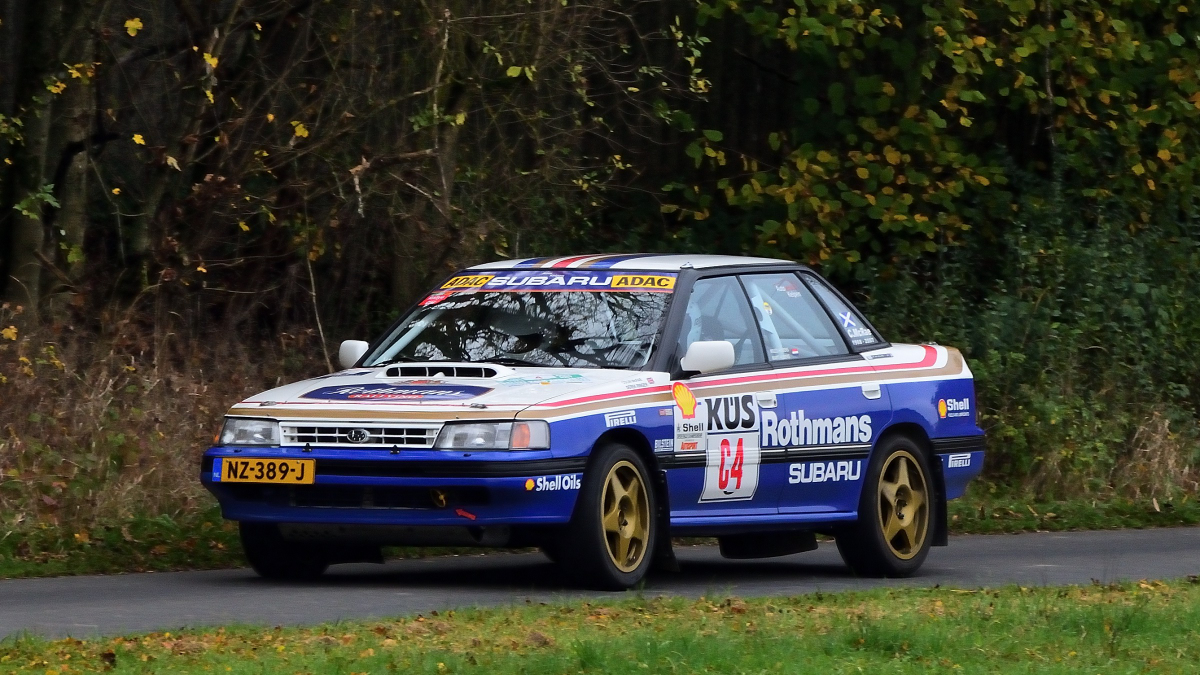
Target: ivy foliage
column 909, row 119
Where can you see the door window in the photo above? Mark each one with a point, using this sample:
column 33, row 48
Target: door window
column 794, row 325
column 849, row 320
column 717, row 310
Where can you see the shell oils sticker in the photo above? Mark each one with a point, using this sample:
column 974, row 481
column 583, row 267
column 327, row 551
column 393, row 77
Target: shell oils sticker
column 690, row 435
column 469, row 281
column 570, row 481
column 393, row 392
column 528, row 281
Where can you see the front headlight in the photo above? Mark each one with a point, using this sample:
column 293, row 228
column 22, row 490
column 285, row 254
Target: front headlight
column 532, row 435
column 244, row 431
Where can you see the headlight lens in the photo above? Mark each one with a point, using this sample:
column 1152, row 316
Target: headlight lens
column 243, row 431
column 531, row 435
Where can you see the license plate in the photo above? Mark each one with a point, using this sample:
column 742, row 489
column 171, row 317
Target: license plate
column 258, row 470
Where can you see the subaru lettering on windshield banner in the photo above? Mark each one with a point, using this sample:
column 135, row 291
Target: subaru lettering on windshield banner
column 391, row 392
column 566, row 280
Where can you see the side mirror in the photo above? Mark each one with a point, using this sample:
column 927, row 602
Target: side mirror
column 350, row 352
column 708, row 356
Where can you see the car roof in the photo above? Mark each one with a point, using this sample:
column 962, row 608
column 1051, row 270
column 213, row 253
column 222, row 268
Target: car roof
column 657, row 262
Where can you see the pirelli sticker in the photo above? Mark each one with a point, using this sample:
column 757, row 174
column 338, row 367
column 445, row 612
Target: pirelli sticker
column 528, row 281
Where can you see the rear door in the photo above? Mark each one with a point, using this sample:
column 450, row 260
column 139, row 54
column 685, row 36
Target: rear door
column 822, row 409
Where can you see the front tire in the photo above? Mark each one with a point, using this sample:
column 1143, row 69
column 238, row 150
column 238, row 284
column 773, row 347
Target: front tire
column 610, row 542
column 894, row 529
column 274, row 557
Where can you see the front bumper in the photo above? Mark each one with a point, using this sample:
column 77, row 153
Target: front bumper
column 412, row 488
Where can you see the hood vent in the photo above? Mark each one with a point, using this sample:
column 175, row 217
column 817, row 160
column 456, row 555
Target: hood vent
column 476, row 372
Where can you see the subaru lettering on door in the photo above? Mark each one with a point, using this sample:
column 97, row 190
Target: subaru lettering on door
column 595, row 406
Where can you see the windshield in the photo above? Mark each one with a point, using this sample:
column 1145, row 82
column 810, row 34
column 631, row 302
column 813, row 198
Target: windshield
column 576, row 319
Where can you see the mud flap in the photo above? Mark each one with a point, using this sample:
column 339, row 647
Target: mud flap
column 941, row 519
column 664, row 554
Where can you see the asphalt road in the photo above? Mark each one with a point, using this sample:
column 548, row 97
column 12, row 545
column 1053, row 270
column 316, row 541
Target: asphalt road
column 89, row 606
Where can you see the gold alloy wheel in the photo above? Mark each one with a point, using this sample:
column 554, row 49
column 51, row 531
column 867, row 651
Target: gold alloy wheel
column 625, row 515
column 903, row 505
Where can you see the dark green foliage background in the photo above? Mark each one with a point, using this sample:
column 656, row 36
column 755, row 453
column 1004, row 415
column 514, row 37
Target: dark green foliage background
column 1015, row 178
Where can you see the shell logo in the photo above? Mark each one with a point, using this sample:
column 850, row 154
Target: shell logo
column 942, row 408
column 685, row 399
column 529, row 485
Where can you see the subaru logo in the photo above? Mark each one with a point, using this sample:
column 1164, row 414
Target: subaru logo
column 358, row 435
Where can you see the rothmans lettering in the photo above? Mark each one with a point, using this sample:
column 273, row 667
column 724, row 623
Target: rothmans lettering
column 795, row 429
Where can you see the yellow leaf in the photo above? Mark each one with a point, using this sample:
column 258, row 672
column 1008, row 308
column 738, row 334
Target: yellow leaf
column 201, row 268
column 116, row 191
column 299, row 129
column 270, row 117
column 459, row 119
column 210, row 60
column 57, row 87
column 1164, row 154
column 979, row 40
column 513, row 71
column 242, row 224
column 1138, row 169
column 1150, row 184
column 892, row 155
column 208, row 93
column 9, row 333
column 171, row 162
column 862, row 172
column 999, row 62
column 133, row 25
column 791, row 228
column 137, row 138
column 888, row 89
column 824, row 156
column 982, row 180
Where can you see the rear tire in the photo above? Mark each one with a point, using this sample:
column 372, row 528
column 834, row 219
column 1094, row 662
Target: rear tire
column 273, row 557
column 895, row 525
column 610, row 542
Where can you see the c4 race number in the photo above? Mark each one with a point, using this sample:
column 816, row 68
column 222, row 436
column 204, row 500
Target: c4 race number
column 256, row 470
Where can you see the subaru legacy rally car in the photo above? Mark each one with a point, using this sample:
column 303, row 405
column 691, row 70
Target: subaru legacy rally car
column 596, row 406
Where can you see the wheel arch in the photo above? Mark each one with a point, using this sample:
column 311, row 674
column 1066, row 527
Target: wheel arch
column 917, row 434
column 635, row 439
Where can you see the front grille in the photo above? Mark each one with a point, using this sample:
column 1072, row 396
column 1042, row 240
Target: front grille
column 359, row 435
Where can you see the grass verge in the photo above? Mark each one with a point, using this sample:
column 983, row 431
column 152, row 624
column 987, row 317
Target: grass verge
column 1143, row 627
column 203, row 540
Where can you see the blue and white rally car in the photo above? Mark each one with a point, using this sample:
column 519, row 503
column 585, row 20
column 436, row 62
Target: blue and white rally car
column 597, row 406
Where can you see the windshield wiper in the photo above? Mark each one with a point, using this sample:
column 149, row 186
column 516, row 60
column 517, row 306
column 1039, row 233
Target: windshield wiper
column 511, row 361
column 407, row 359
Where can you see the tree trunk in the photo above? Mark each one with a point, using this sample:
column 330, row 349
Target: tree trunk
column 29, row 176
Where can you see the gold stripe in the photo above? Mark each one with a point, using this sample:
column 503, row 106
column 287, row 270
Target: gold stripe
column 953, row 366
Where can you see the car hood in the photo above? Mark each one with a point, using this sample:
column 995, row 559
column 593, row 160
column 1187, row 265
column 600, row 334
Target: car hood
column 444, row 392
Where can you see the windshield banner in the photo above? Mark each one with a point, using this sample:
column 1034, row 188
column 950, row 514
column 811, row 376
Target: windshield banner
column 566, row 280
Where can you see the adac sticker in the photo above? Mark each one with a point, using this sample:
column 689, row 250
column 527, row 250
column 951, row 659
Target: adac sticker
column 392, row 392
column 567, row 280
